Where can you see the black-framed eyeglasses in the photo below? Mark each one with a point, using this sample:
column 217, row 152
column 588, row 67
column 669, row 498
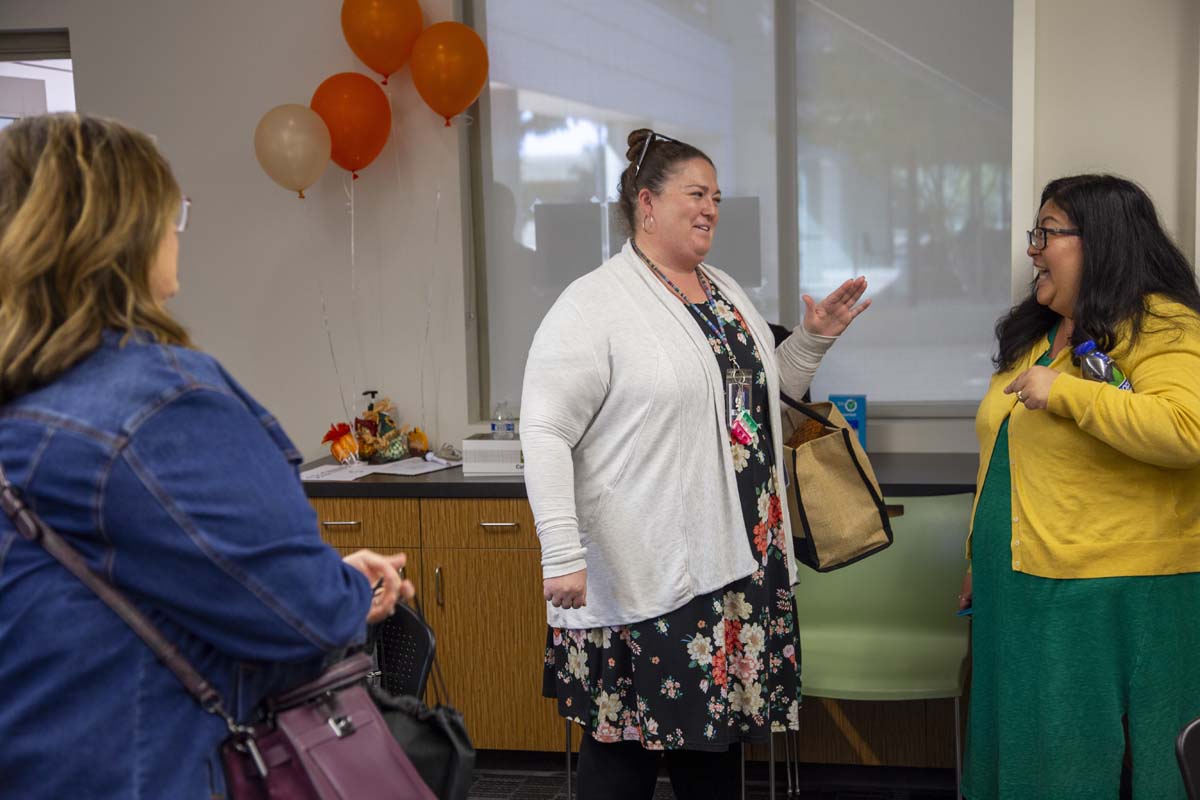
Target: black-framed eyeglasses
column 642, row 157
column 1037, row 236
column 185, row 205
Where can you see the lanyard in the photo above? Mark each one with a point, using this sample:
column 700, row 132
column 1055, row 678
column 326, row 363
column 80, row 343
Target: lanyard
column 710, row 301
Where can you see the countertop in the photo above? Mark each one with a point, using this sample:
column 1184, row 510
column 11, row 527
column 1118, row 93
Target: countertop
column 899, row 474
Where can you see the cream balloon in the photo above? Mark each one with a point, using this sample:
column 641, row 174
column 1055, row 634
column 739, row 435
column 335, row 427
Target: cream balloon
column 292, row 145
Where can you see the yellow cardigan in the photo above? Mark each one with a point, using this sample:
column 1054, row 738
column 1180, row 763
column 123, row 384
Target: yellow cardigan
column 1106, row 482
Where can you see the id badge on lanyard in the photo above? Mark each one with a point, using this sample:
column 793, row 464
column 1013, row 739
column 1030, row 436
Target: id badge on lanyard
column 738, row 397
column 738, row 385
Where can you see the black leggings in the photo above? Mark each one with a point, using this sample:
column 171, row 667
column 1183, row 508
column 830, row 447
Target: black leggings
column 628, row 771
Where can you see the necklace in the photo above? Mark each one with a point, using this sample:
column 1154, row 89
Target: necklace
column 738, row 382
column 718, row 328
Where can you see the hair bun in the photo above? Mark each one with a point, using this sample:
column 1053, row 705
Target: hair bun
column 636, row 141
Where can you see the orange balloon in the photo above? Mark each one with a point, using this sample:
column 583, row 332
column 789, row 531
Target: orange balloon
column 449, row 67
column 382, row 32
column 358, row 116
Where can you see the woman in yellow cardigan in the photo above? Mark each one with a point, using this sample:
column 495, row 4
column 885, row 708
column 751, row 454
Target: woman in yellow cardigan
column 1085, row 543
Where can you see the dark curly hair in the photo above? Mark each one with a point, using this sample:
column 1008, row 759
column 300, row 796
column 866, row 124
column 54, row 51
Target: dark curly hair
column 1127, row 256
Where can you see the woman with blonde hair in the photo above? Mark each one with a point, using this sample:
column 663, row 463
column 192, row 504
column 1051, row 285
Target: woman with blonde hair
column 154, row 464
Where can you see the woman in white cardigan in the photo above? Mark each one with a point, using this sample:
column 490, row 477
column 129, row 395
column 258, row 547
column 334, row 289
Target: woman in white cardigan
column 650, row 428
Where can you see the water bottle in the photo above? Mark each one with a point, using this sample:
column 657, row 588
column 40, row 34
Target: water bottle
column 1097, row 366
column 504, row 422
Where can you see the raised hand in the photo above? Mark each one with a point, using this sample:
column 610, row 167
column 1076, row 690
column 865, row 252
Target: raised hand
column 835, row 313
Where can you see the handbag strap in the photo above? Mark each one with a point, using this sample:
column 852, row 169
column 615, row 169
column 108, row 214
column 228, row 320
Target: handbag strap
column 808, row 411
column 34, row 529
column 439, row 682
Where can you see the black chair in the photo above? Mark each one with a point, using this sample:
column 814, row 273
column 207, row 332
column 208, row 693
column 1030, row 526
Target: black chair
column 1187, row 750
column 404, row 648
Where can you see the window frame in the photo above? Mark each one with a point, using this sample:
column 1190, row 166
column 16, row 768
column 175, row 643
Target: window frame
column 892, row 419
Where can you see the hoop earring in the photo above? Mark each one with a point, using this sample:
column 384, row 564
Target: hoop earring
column 648, row 224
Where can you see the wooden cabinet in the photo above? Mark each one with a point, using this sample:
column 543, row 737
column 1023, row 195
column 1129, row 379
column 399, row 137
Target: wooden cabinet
column 382, row 524
column 477, row 566
column 483, row 597
column 898, row 733
column 479, row 524
column 490, row 618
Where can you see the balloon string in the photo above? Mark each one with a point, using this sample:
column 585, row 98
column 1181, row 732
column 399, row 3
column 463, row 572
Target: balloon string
column 354, row 302
column 379, row 273
column 329, row 332
column 332, row 356
column 420, row 382
column 437, row 216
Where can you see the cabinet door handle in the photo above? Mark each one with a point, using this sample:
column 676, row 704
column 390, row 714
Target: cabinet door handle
column 346, row 524
column 499, row 524
column 437, row 587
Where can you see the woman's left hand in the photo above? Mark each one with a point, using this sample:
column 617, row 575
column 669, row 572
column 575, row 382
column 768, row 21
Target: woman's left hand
column 835, row 313
column 1032, row 387
column 383, row 571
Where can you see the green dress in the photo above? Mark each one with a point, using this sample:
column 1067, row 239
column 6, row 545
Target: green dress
column 1059, row 664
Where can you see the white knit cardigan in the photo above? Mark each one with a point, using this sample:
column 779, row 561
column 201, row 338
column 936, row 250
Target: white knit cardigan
column 627, row 459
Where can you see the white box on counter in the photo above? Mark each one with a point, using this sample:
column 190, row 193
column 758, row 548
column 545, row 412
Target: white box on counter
column 483, row 455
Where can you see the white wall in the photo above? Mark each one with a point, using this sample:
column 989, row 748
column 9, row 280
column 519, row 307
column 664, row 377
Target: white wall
column 1116, row 89
column 21, row 97
column 199, row 76
column 56, row 83
column 1116, row 92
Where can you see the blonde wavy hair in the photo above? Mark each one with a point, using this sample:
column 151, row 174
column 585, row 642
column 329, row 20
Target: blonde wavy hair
column 84, row 204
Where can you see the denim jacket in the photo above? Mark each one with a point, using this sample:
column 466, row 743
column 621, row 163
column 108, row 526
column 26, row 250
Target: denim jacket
column 183, row 491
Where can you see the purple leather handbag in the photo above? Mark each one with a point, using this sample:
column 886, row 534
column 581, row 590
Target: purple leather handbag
column 325, row 740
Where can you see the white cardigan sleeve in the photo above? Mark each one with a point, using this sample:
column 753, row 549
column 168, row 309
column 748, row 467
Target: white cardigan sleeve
column 798, row 358
column 565, row 385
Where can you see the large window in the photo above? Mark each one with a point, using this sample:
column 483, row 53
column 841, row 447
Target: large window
column 904, row 130
column 895, row 165
column 36, row 76
column 36, row 87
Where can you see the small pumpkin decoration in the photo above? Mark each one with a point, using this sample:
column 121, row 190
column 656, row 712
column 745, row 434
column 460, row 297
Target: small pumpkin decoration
column 418, row 442
column 342, row 444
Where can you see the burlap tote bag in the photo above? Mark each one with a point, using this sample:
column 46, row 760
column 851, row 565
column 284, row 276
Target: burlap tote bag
column 837, row 511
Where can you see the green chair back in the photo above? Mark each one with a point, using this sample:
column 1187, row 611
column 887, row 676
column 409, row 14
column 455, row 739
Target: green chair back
column 885, row 628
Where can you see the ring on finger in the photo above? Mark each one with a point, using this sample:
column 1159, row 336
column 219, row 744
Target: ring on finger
column 1020, row 396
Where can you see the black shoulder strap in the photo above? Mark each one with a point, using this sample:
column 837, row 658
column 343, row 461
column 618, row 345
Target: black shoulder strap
column 807, row 411
column 440, row 692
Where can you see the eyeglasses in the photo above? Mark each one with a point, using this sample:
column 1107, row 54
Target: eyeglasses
column 652, row 137
column 181, row 222
column 1037, row 236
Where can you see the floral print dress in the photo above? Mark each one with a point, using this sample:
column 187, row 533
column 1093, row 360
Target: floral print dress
column 722, row 667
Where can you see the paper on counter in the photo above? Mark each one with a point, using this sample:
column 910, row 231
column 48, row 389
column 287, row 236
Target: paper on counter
column 350, row 472
column 337, row 472
column 410, row 466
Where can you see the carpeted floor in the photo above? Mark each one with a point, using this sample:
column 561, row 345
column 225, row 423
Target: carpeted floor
column 539, row 782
